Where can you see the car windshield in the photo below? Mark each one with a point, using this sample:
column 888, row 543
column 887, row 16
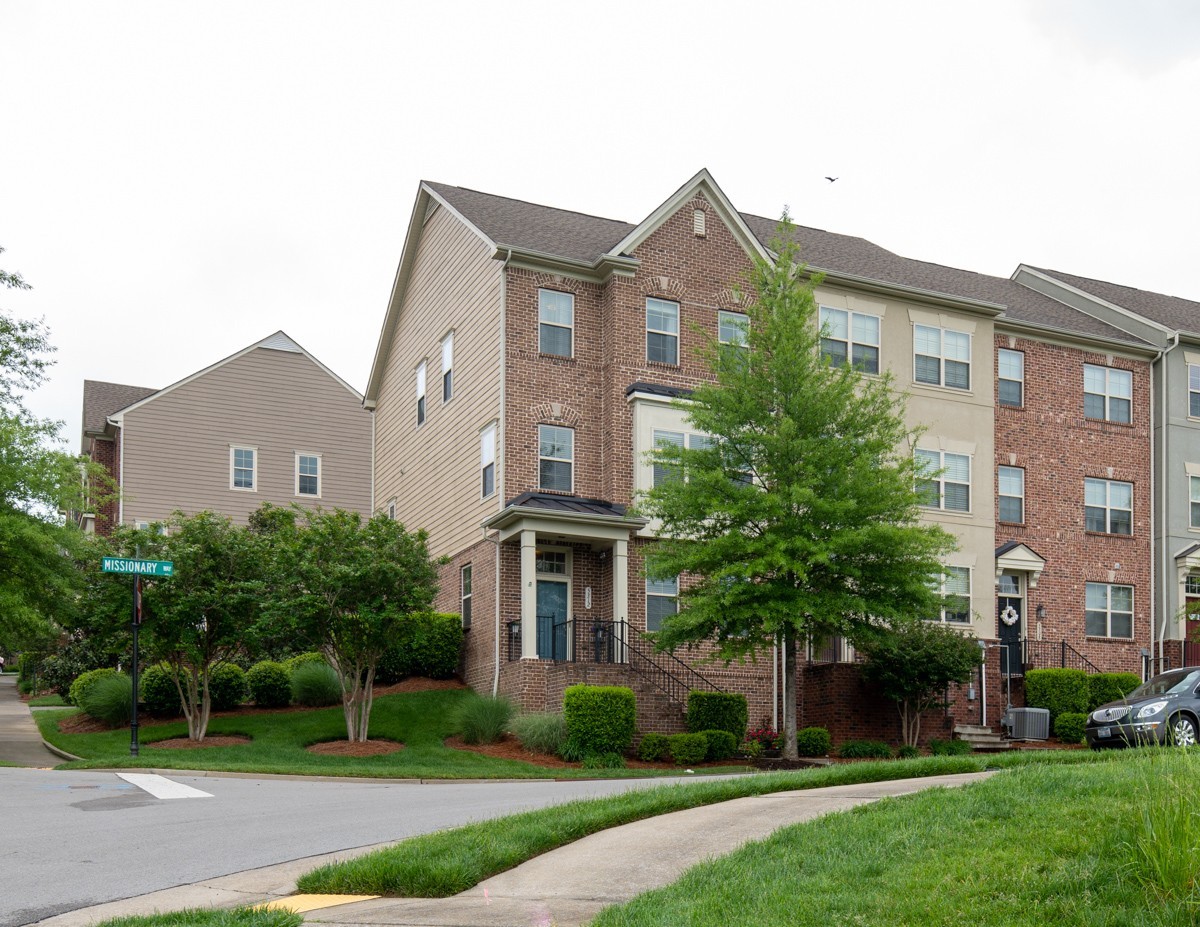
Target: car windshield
column 1175, row 683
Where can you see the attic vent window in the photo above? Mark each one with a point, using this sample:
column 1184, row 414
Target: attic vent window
column 698, row 223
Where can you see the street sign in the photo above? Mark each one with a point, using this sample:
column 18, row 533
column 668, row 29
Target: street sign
column 137, row 567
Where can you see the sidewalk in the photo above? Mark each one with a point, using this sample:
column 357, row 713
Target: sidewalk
column 20, row 741
column 564, row 887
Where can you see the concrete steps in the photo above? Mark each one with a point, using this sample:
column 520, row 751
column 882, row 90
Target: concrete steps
column 983, row 739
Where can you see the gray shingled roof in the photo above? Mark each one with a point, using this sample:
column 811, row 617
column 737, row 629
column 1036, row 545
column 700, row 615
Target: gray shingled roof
column 574, row 505
column 586, row 238
column 101, row 400
column 1172, row 311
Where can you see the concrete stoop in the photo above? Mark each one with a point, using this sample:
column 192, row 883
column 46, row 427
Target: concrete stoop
column 981, row 738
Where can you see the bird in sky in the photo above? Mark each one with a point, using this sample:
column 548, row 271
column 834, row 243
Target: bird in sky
column 831, row 179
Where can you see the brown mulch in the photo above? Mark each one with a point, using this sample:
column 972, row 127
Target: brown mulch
column 210, row 740
column 377, row 747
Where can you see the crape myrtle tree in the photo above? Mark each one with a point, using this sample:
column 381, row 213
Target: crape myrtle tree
column 800, row 519
column 349, row 584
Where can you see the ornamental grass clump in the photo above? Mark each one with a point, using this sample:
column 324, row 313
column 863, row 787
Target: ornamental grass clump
column 540, row 731
column 315, row 685
column 483, row 719
column 109, row 699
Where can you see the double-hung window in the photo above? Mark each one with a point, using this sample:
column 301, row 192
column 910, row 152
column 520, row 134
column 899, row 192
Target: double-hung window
column 421, row 393
column 1107, row 393
column 308, row 475
column 662, row 331
column 556, row 323
column 1108, row 506
column 944, row 480
column 732, row 328
column 487, row 461
column 1194, row 499
column 448, row 367
column 1194, row 390
column 662, row 601
column 465, row 586
column 665, row 472
column 556, row 458
column 243, row 472
column 1011, row 495
column 850, row 338
column 1109, row 610
column 956, row 588
column 941, row 357
column 1010, row 377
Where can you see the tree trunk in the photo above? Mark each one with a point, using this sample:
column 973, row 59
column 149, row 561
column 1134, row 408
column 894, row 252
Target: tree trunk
column 790, row 751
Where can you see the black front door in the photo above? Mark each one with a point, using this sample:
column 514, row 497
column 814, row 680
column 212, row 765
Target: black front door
column 1009, row 619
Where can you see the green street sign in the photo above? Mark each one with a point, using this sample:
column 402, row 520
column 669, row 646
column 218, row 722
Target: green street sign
column 137, row 567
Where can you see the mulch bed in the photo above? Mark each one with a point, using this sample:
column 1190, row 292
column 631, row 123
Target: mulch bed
column 378, row 747
column 210, row 740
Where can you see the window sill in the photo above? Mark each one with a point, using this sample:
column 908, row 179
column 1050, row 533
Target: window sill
column 1107, row 534
column 939, row 388
column 555, row 492
column 1011, row 524
column 666, row 364
column 558, row 358
column 953, row 513
column 1087, row 420
column 1109, row 640
column 1005, row 407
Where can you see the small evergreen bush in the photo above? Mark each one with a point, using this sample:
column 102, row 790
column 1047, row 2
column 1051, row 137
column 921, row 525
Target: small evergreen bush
column 303, row 659
column 907, row 752
column 949, row 747
column 717, row 711
column 109, row 698
column 865, row 749
column 688, row 749
column 1110, row 687
column 540, row 731
column 270, row 684
column 600, row 719
column 315, row 685
column 721, row 745
column 814, row 741
column 654, row 748
column 483, row 719
column 426, row 644
column 1058, row 690
column 83, row 682
column 1069, row 726
column 156, row 689
column 227, row 686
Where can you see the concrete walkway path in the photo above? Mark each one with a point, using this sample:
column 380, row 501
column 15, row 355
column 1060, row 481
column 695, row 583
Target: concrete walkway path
column 564, row 887
column 20, row 741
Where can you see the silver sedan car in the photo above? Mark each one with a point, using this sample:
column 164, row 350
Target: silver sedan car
column 1162, row 710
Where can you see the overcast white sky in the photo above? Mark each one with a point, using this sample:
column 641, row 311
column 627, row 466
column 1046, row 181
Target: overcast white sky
column 178, row 181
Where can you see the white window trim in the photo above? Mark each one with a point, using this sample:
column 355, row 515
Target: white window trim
column 1193, row 499
column 741, row 319
column 422, row 400
column 999, row 378
column 320, row 475
column 1108, row 611
column 1000, row 495
column 1190, row 368
column 941, row 481
column 1108, row 507
column 941, row 359
column 659, row 331
column 851, row 342
column 488, row 432
column 466, row 597
column 570, row 328
column 448, row 366
column 570, row 460
column 253, row 487
column 1108, row 394
column 660, row 595
column 942, row 619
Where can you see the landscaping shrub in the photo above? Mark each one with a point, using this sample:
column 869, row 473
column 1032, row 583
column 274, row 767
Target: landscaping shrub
column 654, row 747
column 813, row 741
column 303, row 659
column 752, row 749
column 767, row 738
column 1110, row 687
column 109, row 698
column 949, row 747
column 865, row 749
column 426, row 644
column 717, row 711
column 1058, row 690
column 483, row 719
column 600, row 719
column 227, row 686
column 157, row 692
column 315, row 685
column 907, row 752
column 604, row 761
column 721, row 745
column 540, row 731
column 83, row 682
column 1068, row 727
column 270, row 684
column 688, row 749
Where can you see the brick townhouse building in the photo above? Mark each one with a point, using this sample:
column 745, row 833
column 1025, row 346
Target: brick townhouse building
column 530, row 356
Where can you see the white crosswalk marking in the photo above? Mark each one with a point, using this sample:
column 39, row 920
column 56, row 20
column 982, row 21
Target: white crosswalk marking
column 161, row 787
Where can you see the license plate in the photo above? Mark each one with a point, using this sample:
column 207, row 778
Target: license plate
column 1104, row 732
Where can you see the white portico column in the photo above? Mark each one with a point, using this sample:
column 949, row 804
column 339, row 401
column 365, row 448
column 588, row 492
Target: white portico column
column 529, row 595
column 620, row 595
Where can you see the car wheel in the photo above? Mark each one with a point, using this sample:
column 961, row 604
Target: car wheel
column 1182, row 731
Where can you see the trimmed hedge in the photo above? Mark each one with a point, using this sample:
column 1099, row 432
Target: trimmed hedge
column 687, row 749
column 227, row 686
column 84, row 681
column 1110, row 687
column 721, row 745
column 814, row 741
column 426, row 644
column 1058, row 690
column 600, row 719
column 270, row 684
column 654, row 747
column 157, row 692
column 717, row 711
column 109, row 698
column 1069, row 727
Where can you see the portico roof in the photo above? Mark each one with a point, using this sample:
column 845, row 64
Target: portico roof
column 577, row 516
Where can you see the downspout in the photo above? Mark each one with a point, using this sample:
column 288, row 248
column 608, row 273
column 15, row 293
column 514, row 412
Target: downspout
column 372, row 411
column 775, row 684
column 121, row 480
column 1162, row 630
column 500, row 466
column 495, row 539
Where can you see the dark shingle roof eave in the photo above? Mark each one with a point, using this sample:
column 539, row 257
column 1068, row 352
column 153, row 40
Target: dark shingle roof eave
column 102, row 399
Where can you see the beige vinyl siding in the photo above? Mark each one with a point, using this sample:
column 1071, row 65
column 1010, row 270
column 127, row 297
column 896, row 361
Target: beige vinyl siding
column 177, row 445
column 433, row 471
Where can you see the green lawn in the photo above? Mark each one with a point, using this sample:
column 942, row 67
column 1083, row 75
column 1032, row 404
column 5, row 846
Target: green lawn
column 421, row 720
column 46, row 701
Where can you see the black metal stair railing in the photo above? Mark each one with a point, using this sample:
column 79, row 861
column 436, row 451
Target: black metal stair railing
column 1054, row 654
column 664, row 670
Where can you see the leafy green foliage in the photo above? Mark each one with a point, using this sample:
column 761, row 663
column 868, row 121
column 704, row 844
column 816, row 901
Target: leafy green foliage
column 913, row 663
column 723, row 711
column 483, row 719
column 654, row 747
column 721, row 745
column 85, row 681
column 814, row 741
column 1110, row 687
column 1069, row 727
column 688, row 749
column 426, row 644
column 907, row 752
column 802, row 517
column 109, row 698
column 315, row 685
column 540, row 731
column 1059, row 690
column 600, row 719
column 270, row 684
column 864, row 750
column 949, row 747
column 300, row 659
column 604, row 761
column 157, row 691
column 227, row 685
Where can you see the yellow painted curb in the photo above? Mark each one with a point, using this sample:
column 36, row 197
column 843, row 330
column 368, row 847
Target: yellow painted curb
column 302, row 903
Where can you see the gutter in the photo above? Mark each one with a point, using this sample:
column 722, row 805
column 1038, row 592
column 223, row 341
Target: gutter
column 1162, row 629
column 501, row 432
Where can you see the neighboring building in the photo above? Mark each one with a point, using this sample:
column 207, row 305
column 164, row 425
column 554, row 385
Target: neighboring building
column 267, row 424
